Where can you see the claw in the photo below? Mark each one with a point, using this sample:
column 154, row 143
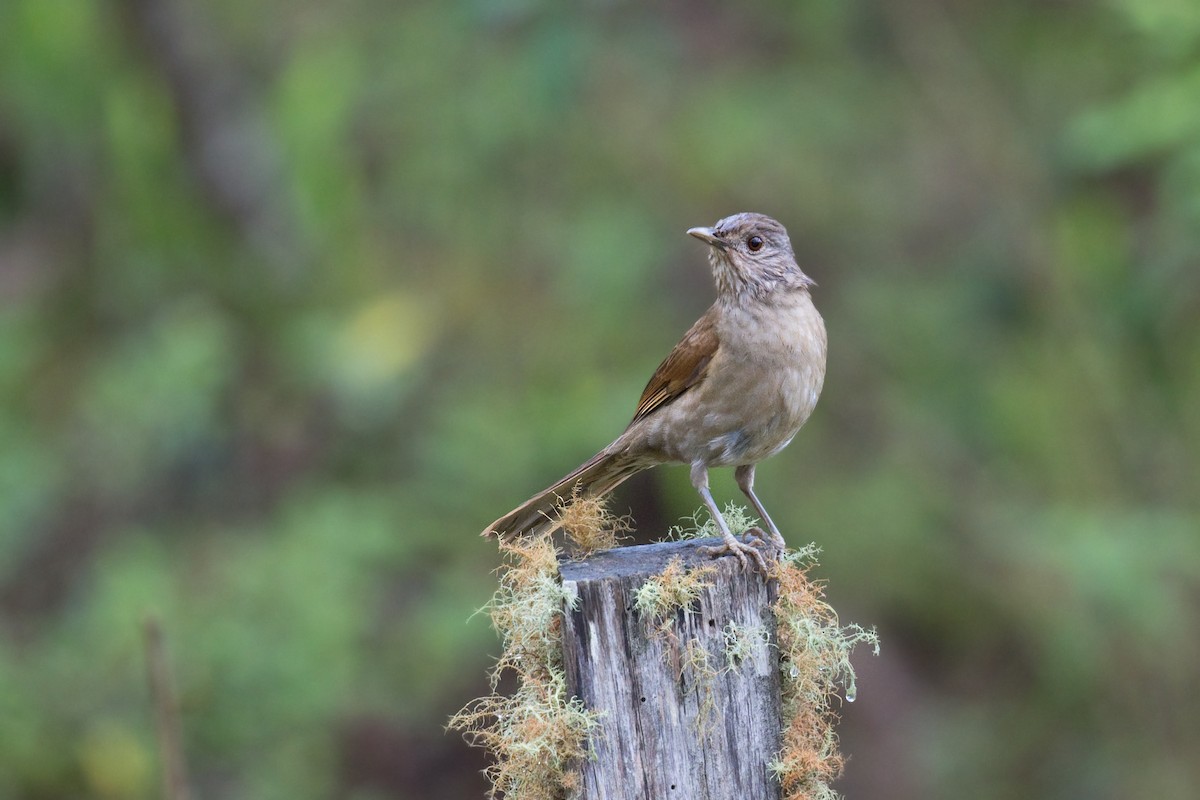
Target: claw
column 770, row 543
column 731, row 546
column 755, row 536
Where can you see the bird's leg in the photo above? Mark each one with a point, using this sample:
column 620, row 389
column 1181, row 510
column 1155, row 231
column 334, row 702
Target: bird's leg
column 744, row 475
column 730, row 545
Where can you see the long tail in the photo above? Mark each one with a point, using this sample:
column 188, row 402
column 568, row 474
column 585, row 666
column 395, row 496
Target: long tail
column 598, row 476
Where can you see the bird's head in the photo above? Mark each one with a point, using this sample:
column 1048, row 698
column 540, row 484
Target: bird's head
column 751, row 255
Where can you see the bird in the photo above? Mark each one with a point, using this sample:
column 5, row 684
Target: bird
column 733, row 392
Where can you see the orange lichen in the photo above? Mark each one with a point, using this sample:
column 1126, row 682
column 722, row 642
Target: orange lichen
column 814, row 651
column 589, row 525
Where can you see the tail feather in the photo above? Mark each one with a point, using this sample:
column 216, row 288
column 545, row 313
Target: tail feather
column 596, row 477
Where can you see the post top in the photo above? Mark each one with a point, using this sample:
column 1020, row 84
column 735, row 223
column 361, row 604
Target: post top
column 641, row 559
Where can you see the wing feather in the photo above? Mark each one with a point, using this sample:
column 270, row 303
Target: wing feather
column 685, row 367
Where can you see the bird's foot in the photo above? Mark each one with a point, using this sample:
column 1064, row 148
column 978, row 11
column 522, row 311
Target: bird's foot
column 771, row 542
column 756, row 537
column 741, row 550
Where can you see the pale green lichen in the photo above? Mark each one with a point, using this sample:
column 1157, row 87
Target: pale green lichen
column 697, row 666
column 674, row 589
column 814, row 655
column 701, row 525
column 658, row 601
column 742, row 642
column 535, row 734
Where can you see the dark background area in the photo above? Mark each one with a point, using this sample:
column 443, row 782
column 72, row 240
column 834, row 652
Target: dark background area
column 295, row 297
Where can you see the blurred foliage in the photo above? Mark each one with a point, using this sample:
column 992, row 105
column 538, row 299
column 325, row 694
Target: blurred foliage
column 295, row 297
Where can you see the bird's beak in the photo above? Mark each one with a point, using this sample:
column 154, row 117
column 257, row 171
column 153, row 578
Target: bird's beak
column 707, row 236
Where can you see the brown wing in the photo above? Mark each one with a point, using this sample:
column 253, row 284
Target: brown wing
column 683, row 368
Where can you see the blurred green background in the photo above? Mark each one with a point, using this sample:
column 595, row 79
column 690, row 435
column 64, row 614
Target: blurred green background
column 295, row 297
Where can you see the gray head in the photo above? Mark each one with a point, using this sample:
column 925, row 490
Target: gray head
column 751, row 254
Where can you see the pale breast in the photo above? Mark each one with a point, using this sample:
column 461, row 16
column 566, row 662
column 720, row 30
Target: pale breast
column 760, row 388
column 786, row 347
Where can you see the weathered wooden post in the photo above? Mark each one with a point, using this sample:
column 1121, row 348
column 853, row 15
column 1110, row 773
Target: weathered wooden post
column 688, row 703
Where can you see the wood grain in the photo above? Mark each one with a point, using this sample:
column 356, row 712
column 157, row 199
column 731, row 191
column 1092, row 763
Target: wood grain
column 655, row 740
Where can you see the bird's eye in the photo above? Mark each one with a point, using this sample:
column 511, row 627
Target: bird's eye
column 755, row 243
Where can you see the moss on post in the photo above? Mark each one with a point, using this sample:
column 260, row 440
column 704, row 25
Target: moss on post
column 658, row 637
column 535, row 734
